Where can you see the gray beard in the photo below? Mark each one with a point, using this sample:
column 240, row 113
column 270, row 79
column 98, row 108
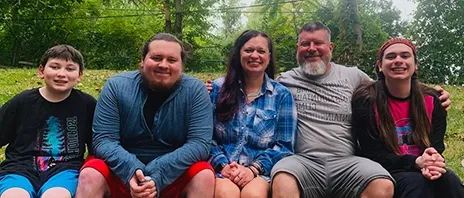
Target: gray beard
column 313, row 69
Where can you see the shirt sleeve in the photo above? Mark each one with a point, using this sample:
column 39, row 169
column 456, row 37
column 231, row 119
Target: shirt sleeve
column 167, row 168
column 217, row 155
column 362, row 76
column 371, row 145
column 106, row 139
column 437, row 134
column 8, row 115
column 91, row 110
column 284, row 135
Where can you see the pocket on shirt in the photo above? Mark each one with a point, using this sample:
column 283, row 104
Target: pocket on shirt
column 263, row 127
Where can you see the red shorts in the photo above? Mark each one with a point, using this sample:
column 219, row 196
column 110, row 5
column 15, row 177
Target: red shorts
column 119, row 190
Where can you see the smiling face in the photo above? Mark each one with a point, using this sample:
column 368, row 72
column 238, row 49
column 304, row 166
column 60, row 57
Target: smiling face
column 398, row 62
column 255, row 55
column 59, row 75
column 162, row 66
column 314, row 51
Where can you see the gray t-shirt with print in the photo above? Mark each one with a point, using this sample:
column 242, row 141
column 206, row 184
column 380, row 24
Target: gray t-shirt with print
column 324, row 109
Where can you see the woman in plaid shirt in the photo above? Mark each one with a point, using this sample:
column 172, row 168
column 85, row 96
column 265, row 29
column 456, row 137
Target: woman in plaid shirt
column 254, row 119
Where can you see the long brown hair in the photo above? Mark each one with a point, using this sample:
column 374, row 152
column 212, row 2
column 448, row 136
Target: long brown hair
column 377, row 94
column 229, row 98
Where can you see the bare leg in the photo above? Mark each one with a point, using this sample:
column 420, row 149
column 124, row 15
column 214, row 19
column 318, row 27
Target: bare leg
column 285, row 185
column 226, row 188
column 56, row 192
column 91, row 183
column 201, row 185
column 15, row 193
column 257, row 188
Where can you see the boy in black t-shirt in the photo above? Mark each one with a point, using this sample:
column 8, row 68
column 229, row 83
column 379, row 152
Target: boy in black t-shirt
column 46, row 130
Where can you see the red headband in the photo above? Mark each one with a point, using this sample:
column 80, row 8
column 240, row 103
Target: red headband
column 388, row 44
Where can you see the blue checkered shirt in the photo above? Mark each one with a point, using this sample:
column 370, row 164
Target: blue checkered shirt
column 262, row 131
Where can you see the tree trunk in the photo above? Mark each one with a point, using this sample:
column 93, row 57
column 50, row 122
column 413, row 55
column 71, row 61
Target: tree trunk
column 15, row 57
column 295, row 11
column 167, row 16
column 178, row 20
column 350, row 32
column 357, row 25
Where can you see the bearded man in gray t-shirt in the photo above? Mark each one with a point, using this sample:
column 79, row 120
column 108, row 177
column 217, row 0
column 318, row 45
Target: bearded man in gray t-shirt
column 324, row 164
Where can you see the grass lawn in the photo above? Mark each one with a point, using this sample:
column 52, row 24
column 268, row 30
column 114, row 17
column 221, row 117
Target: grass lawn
column 13, row 81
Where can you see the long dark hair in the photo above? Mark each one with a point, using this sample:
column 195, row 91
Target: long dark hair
column 228, row 102
column 377, row 92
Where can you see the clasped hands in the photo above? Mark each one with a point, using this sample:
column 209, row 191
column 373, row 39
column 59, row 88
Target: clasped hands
column 139, row 188
column 431, row 164
column 238, row 174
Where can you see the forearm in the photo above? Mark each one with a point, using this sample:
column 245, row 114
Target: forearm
column 167, row 168
column 284, row 135
column 106, row 135
column 120, row 161
column 268, row 158
column 438, row 131
column 217, row 155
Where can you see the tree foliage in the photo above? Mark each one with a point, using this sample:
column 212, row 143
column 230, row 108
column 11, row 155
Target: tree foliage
column 110, row 33
column 438, row 28
column 27, row 22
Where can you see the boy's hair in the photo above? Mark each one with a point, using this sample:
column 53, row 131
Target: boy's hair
column 63, row 52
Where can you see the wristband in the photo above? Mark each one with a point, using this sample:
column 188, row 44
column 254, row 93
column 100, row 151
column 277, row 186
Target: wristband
column 218, row 168
column 255, row 174
column 258, row 168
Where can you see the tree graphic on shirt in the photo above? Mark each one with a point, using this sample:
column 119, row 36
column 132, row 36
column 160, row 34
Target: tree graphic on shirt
column 52, row 144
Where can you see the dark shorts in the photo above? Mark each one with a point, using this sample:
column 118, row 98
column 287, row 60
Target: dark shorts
column 119, row 189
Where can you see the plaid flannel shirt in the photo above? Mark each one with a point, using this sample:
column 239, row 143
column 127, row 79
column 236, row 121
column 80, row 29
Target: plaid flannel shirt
column 262, row 131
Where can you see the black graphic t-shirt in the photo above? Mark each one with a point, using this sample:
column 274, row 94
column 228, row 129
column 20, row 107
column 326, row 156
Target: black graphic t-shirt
column 43, row 137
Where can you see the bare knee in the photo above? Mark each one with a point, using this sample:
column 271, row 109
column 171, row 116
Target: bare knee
column 201, row 185
column 285, row 185
column 379, row 188
column 253, row 194
column 90, row 177
column 56, row 192
column 91, row 183
column 226, row 188
column 15, row 193
column 257, row 188
column 204, row 178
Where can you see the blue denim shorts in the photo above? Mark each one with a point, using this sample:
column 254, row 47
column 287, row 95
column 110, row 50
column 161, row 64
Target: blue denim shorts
column 66, row 179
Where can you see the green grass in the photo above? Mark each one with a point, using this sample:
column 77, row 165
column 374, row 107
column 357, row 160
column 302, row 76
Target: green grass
column 13, row 81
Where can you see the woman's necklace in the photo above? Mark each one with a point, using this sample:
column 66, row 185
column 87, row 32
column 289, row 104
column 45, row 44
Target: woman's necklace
column 254, row 95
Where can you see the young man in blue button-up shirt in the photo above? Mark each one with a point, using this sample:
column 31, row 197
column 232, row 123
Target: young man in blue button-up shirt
column 154, row 122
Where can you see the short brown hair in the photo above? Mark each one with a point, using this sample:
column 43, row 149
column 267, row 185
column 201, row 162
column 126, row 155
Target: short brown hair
column 314, row 26
column 64, row 52
column 164, row 37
